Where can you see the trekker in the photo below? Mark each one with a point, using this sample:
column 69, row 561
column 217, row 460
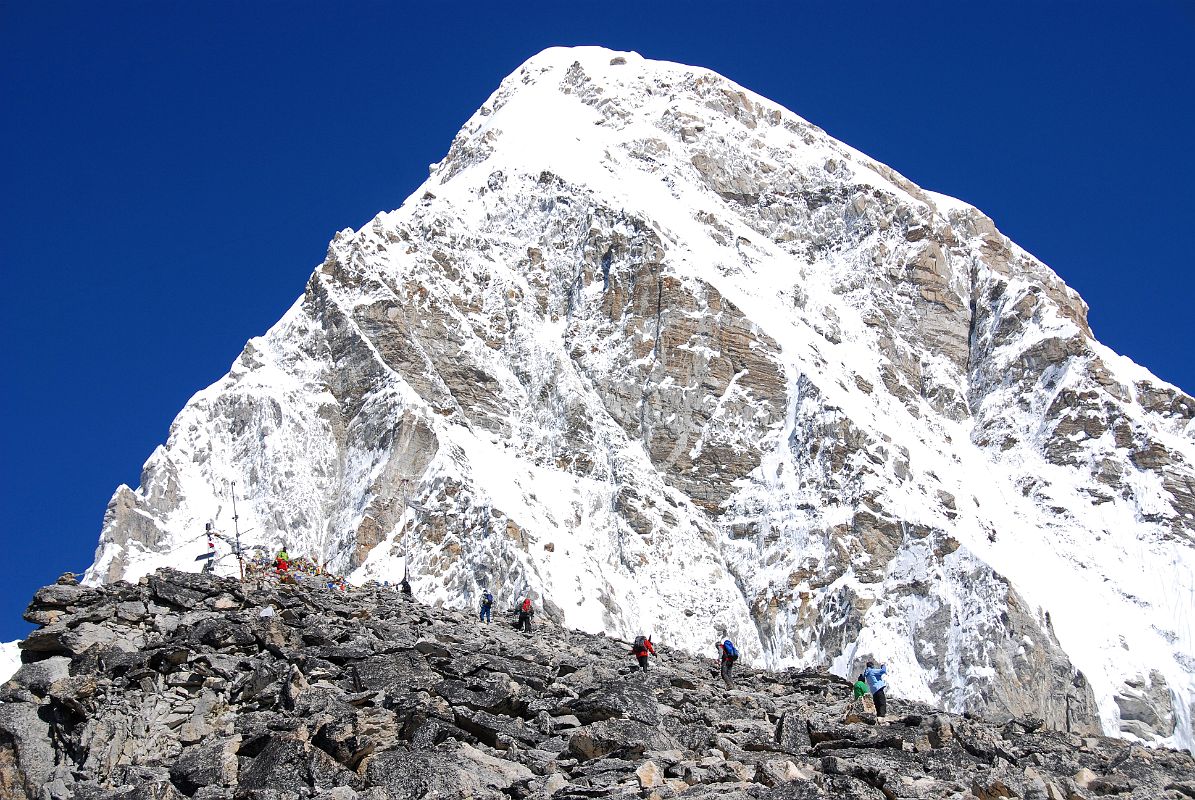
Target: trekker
column 858, row 692
column 875, row 682
column 526, row 612
column 487, row 603
column 859, row 689
column 282, row 561
column 641, row 649
column 727, row 655
column 405, row 586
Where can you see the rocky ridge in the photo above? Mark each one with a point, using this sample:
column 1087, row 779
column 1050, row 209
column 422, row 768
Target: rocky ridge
column 186, row 685
column 672, row 356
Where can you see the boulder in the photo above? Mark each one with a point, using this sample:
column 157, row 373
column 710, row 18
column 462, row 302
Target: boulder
column 617, row 699
column 283, row 764
column 39, row 676
column 27, row 752
column 624, row 738
column 213, row 763
column 410, row 774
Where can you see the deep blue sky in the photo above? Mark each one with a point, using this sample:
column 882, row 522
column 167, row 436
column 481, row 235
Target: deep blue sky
column 172, row 173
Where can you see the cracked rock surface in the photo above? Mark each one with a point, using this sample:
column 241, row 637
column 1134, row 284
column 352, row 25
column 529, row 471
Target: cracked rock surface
column 194, row 686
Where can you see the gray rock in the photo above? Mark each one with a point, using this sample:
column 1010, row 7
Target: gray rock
column 211, row 764
column 27, row 753
column 1145, row 707
column 60, row 596
column 625, row 738
column 409, row 774
column 171, row 592
column 489, row 713
column 283, row 764
column 792, row 733
column 617, row 699
column 40, row 675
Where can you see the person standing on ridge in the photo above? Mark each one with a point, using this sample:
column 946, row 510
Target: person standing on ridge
column 282, row 562
column 875, row 682
column 405, row 586
column 526, row 612
column 727, row 655
column 487, row 603
column 641, row 649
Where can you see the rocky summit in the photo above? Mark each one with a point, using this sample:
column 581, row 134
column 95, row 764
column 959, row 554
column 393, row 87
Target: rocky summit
column 186, row 685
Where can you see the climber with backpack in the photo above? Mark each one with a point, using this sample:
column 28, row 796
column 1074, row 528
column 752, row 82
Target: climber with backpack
column 641, row 649
column 727, row 655
column 526, row 612
column 487, row 603
column 858, row 691
column 860, row 688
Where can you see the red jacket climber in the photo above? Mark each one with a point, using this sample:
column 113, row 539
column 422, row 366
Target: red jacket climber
column 641, row 649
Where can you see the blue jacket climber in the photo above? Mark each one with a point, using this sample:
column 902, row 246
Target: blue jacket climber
column 875, row 677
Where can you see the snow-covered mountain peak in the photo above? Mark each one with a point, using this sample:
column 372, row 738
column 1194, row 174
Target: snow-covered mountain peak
column 674, row 359
column 566, row 105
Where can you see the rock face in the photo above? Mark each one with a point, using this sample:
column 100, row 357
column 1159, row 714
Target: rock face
column 673, row 358
column 303, row 692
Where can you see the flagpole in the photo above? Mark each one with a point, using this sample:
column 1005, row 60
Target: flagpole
column 237, row 529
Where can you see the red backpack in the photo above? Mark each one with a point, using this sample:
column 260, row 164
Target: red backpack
column 527, row 605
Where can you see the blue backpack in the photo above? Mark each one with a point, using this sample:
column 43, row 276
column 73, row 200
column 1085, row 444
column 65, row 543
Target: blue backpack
column 731, row 651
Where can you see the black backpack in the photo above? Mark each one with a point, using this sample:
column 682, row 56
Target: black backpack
column 639, row 644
